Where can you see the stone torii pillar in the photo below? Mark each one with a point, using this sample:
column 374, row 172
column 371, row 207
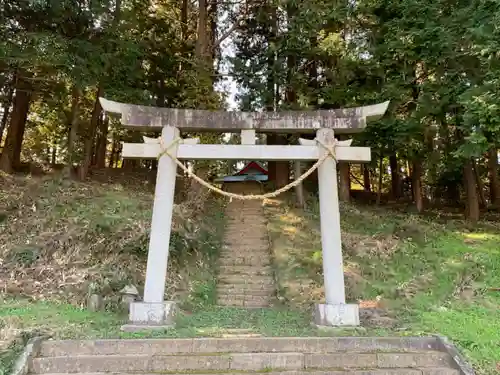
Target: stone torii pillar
column 335, row 312
column 154, row 312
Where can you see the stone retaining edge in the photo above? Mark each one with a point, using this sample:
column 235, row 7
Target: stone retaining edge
column 436, row 342
column 31, row 350
column 459, row 361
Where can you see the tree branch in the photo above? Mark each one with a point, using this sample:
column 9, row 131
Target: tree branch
column 236, row 25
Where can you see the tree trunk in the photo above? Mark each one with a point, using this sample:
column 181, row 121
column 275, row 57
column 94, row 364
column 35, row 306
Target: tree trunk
column 366, row 178
column 299, row 189
column 282, row 168
column 380, row 179
column 291, row 62
column 96, row 112
column 53, row 155
column 271, row 139
column 113, row 154
column 6, row 107
column 102, row 145
column 493, row 176
column 202, row 40
column 395, row 177
column 196, row 194
column 270, row 99
column 184, row 20
column 91, row 135
column 416, row 184
column 278, row 171
column 345, row 182
column 11, row 154
column 472, row 201
column 480, row 185
column 213, row 15
column 313, row 74
column 73, row 130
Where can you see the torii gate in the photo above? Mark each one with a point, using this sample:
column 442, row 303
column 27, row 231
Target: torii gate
column 153, row 311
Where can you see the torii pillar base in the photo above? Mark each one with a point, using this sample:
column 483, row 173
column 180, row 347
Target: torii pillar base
column 146, row 316
column 325, row 315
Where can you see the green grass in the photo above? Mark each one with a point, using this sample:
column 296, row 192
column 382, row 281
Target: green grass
column 64, row 321
column 9, row 356
column 59, row 319
column 222, row 321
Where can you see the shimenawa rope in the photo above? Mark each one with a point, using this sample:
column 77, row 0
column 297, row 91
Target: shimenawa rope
column 330, row 152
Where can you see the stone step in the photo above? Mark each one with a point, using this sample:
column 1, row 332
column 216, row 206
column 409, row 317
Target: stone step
column 236, row 361
column 245, row 300
column 238, row 218
column 243, row 304
column 245, row 213
column 245, row 261
column 247, row 227
column 246, row 223
column 236, row 213
column 61, row 348
column 231, row 290
column 246, row 206
column 368, row 371
column 250, row 230
column 262, row 285
column 240, row 281
column 253, row 259
column 250, row 203
column 253, row 202
column 238, row 235
column 245, row 252
column 250, row 235
column 244, row 270
column 245, row 243
column 246, row 246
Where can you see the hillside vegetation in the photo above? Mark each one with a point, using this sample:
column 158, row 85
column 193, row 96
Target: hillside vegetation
column 62, row 241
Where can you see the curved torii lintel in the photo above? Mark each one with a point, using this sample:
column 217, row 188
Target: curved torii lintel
column 348, row 120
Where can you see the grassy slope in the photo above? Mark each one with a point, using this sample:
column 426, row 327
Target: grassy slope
column 428, row 275
column 61, row 240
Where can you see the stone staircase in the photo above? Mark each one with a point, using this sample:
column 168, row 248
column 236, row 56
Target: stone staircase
column 245, row 274
column 272, row 356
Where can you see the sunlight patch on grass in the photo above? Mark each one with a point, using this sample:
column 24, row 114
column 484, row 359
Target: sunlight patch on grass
column 290, row 218
column 290, row 230
column 481, row 236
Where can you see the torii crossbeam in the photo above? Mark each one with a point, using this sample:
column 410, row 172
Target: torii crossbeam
column 153, row 311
